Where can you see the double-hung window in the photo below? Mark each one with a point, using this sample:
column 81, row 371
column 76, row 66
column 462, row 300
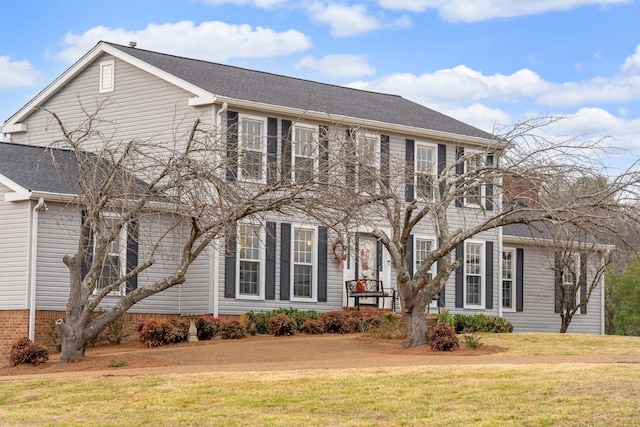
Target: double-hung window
column 303, row 265
column 252, row 149
column 250, row 260
column 570, row 280
column 422, row 248
column 475, row 189
column 305, row 153
column 115, row 257
column 425, row 170
column 473, row 275
column 508, row 278
column 368, row 154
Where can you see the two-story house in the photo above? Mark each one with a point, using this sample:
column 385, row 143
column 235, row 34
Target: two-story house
column 283, row 263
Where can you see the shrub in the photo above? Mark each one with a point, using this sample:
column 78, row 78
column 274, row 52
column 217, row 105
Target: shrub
column 499, row 325
column 208, row 327
column 443, row 338
column 472, row 340
column 481, row 323
column 55, row 340
column 281, row 325
column 114, row 332
column 368, row 320
column 445, row 318
column 26, row 351
column 155, row 333
column 389, row 328
column 232, row 329
column 313, row 326
column 334, row 321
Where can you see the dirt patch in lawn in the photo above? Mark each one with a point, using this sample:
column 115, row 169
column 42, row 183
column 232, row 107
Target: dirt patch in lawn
column 259, row 353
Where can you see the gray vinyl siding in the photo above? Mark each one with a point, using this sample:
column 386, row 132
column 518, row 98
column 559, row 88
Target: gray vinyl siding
column 142, row 106
column 539, row 303
column 14, row 247
column 335, row 287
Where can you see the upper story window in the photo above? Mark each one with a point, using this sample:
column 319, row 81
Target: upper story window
column 252, row 149
column 425, row 170
column 476, row 192
column 570, row 279
column 107, row 76
column 368, row 156
column 473, row 275
column 305, row 158
column 508, row 278
column 250, row 267
column 304, row 284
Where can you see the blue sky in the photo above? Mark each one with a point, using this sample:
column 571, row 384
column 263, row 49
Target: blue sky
column 490, row 63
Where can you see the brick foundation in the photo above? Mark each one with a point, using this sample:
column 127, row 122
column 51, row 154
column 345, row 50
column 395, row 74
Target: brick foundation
column 14, row 325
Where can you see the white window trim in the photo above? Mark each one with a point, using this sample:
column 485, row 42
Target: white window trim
column 263, row 120
column 261, row 260
column 578, row 271
column 314, row 153
column 482, row 185
column 514, row 274
column 314, row 263
column 483, row 255
column 107, row 72
column 434, row 172
column 433, row 304
column 368, row 136
column 122, row 254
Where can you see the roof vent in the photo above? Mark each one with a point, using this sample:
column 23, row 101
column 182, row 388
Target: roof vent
column 133, row 44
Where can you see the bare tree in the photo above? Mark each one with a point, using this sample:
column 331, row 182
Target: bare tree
column 182, row 190
column 459, row 200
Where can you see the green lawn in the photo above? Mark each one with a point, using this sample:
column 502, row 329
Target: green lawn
column 567, row 394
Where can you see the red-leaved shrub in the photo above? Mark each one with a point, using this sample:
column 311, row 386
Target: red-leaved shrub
column 281, row 325
column 442, row 337
column 26, row 351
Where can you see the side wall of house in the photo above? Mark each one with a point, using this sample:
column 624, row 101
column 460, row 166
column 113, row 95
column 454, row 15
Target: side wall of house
column 14, row 252
column 59, row 229
column 538, row 314
column 141, row 107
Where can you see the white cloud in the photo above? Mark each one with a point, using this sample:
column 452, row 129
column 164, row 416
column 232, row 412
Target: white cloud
column 459, row 85
column 213, row 40
column 339, row 65
column 14, row 74
column 473, row 10
column 263, row 4
column 344, row 20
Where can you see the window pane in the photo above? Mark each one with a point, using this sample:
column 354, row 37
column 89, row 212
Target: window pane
column 507, row 279
column 304, row 169
column 252, row 135
column 473, row 290
column 251, row 164
column 507, row 289
column 249, row 277
column 302, row 281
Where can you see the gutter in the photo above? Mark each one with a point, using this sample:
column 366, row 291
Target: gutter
column 32, row 263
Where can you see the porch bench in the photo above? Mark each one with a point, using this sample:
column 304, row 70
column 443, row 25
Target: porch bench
column 369, row 288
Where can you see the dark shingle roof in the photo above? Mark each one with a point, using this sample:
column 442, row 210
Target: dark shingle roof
column 273, row 89
column 39, row 169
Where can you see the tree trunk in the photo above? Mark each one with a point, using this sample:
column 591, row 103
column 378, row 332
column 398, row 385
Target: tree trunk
column 415, row 321
column 566, row 319
column 73, row 344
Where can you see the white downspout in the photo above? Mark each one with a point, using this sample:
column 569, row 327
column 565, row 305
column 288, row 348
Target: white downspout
column 33, row 255
column 500, row 272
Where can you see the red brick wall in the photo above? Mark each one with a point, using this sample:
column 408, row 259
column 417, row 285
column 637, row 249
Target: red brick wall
column 14, row 324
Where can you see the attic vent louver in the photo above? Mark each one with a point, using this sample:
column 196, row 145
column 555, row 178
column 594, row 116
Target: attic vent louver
column 133, row 44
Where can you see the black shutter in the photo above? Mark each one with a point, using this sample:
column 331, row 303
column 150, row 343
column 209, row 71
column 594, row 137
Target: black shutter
column 88, row 249
column 441, row 298
column 583, row 281
column 489, row 275
column 286, row 149
column 460, row 277
column 132, row 254
column 519, row 279
column 232, row 145
column 322, row 264
column 230, row 268
column 270, row 258
column 285, row 261
column 411, row 169
column 384, row 160
column 442, row 165
column 489, row 186
column 558, row 282
column 323, row 136
column 459, row 171
column 410, row 263
column 272, row 150
column 350, row 163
